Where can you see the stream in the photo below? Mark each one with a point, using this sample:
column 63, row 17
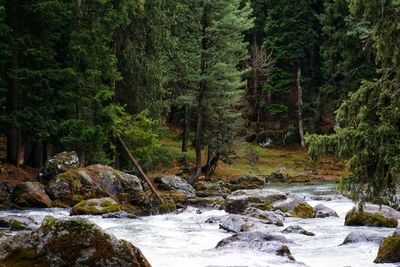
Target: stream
column 184, row 239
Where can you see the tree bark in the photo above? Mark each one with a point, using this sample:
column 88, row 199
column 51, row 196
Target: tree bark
column 13, row 92
column 185, row 136
column 300, row 106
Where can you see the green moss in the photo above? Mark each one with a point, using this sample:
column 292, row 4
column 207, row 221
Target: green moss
column 358, row 218
column 267, row 205
column 16, row 225
column 167, row 206
column 389, row 251
column 105, row 204
column 24, row 257
column 303, row 210
column 90, row 207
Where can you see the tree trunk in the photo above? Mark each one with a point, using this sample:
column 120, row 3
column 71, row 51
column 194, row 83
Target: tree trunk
column 300, row 106
column 185, row 136
column 33, row 154
column 14, row 92
column 199, row 136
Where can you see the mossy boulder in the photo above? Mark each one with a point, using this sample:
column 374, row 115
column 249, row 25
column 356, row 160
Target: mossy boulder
column 96, row 206
column 32, row 195
column 248, row 181
column 17, row 223
column 389, row 250
column 208, row 202
column 176, row 183
column 167, row 206
column 211, row 189
column 57, row 164
column 362, row 218
column 303, row 210
column 75, row 242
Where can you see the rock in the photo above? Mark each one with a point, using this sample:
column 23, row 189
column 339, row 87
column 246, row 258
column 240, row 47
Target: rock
column 75, row 242
column 173, row 182
column 396, row 233
column 31, row 194
column 303, row 210
column 167, row 206
column 357, row 218
column 267, row 217
column 277, row 176
column 232, row 223
column 389, row 250
column 383, row 210
column 209, row 202
column 248, row 181
column 5, row 196
column 298, row 230
column 267, row 243
column 17, row 223
column 96, row 206
column 239, row 200
column 288, row 204
column 363, row 236
column 95, row 181
column 210, row 189
column 59, row 163
column 120, row 215
column 322, row 211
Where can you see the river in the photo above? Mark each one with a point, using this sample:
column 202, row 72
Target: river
column 184, row 239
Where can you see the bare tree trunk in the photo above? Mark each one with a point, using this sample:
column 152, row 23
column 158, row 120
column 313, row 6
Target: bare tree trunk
column 14, row 92
column 300, row 106
column 199, row 136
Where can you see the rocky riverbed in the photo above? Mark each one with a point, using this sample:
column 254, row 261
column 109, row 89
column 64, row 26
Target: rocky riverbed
column 206, row 237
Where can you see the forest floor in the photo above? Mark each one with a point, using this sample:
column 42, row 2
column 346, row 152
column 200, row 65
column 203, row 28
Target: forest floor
column 251, row 158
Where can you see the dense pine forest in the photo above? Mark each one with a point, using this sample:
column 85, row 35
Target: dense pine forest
column 78, row 75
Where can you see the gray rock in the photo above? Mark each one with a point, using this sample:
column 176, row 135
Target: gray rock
column 396, row 233
column 275, row 244
column 298, row 230
column 322, row 211
column 232, row 223
column 363, row 236
column 240, row 200
column 96, row 206
column 59, row 163
column 383, row 210
column 75, row 242
column 120, row 215
column 31, row 194
column 169, row 182
column 17, row 223
column 248, row 181
column 268, row 217
column 277, row 176
column 288, row 204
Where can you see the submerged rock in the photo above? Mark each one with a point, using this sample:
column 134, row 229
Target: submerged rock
column 32, row 195
column 389, row 250
column 358, row 218
column 268, row 243
column 240, row 200
column 75, row 242
column 363, row 236
column 96, row 206
column 174, row 182
column 298, row 230
column 17, row 223
column 322, row 211
column 57, row 164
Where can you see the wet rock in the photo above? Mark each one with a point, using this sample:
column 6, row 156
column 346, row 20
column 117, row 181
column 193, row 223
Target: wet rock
column 59, row 163
column 303, row 210
column 96, row 206
column 275, row 244
column 277, row 176
column 383, row 210
column 363, row 236
column 389, row 250
column 396, row 233
column 288, row 204
column 5, row 196
column 298, row 230
column 95, row 181
column 172, row 182
column 358, row 218
column 31, row 194
column 75, row 242
column 210, row 189
column 209, row 202
column 120, row 215
column 322, row 211
column 248, row 181
column 17, row 223
column 239, row 200
column 232, row 223
column 267, row 217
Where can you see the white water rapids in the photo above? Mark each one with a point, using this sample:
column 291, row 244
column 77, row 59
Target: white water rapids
column 180, row 240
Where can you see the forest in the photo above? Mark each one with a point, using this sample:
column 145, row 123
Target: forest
column 192, row 84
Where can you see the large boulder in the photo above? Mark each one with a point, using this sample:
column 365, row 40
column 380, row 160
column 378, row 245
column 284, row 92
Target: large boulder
column 383, row 210
column 362, row 218
column 322, row 211
column 95, row 181
column 363, row 236
column 96, row 206
column 275, row 244
column 31, row 194
column 277, row 176
column 173, row 182
column 75, row 242
column 238, row 201
column 57, row 164
column 389, row 250
column 17, row 223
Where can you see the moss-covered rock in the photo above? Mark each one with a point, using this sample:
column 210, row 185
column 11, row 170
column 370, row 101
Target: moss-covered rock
column 209, row 202
column 363, row 218
column 96, row 206
column 17, row 223
column 76, row 242
column 59, row 163
column 211, row 189
column 389, row 250
column 247, row 181
column 303, row 210
column 167, row 206
column 176, row 183
column 31, row 194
